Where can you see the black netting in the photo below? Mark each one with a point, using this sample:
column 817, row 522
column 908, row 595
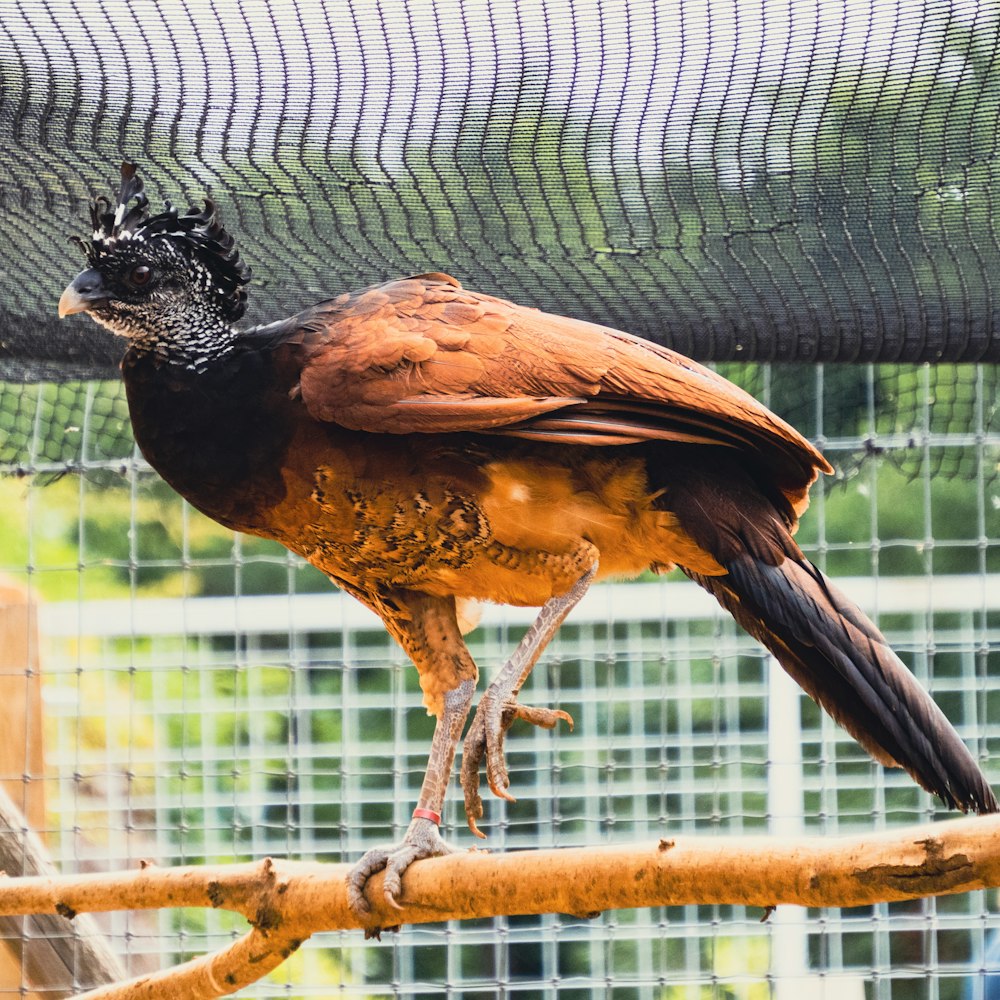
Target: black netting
column 766, row 183
column 745, row 183
column 805, row 193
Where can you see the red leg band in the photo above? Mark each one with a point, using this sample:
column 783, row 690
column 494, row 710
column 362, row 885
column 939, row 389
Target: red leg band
column 434, row 817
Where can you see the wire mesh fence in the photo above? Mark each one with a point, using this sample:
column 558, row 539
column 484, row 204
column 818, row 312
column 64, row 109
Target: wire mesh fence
column 920, row 417
column 803, row 182
column 207, row 699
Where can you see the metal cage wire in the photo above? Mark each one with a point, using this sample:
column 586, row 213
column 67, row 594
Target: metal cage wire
column 797, row 181
column 196, row 729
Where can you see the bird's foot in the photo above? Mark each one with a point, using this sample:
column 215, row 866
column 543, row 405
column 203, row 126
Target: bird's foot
column 485, row 739
column 422, row 840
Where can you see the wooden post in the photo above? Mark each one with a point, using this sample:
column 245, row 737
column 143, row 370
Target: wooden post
column 22, row 759
column 46, row 951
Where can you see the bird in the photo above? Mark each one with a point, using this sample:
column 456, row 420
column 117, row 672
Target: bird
column 428, row 447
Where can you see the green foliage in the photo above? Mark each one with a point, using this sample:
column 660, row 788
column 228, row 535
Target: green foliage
column 107, row 536
column 63, row 425
column 888, row 522
column 738, row 966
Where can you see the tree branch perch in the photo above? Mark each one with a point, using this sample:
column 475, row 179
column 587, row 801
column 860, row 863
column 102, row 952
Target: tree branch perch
column 286, row 901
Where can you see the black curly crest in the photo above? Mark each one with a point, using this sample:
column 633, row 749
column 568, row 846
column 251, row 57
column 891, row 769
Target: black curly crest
column 108, row 224
column 199, row 230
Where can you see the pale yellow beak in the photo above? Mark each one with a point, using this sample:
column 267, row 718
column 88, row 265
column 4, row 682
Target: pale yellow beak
column 71, row 301
column 85, row 291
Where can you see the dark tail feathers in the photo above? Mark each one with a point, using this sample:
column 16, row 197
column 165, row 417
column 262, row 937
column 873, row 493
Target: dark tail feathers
column 842, row 660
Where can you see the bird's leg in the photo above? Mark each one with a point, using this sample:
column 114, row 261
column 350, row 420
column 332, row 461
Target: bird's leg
column 427, row 629
column 498, row 708
column 422, row 838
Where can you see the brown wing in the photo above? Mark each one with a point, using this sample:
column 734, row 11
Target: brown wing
column 425, row 355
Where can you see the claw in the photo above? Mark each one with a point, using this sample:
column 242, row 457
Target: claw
column 471, row 817
column 377, row 932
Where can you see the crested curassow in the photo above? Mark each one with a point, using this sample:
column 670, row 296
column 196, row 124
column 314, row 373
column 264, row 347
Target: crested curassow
column 426, row 446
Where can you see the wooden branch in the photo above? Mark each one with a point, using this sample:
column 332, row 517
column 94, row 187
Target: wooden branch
column 246, row 960
column 285, row 901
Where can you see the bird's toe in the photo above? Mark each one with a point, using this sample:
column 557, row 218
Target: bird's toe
column 397, row 863
column 544, row 718
column 422, row 840
column 371, row 863
column 485, row 742
column 472, row 756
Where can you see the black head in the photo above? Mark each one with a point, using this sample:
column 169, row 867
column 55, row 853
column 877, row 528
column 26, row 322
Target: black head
column 146, row 272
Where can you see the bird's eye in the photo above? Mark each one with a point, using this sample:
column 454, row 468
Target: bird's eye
column 140, row 275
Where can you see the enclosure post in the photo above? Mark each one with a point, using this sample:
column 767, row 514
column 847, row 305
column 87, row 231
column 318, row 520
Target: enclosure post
column 792, row 977
column 45, row 952
column 789, row 960
column 22, row 761
column 21, row 757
